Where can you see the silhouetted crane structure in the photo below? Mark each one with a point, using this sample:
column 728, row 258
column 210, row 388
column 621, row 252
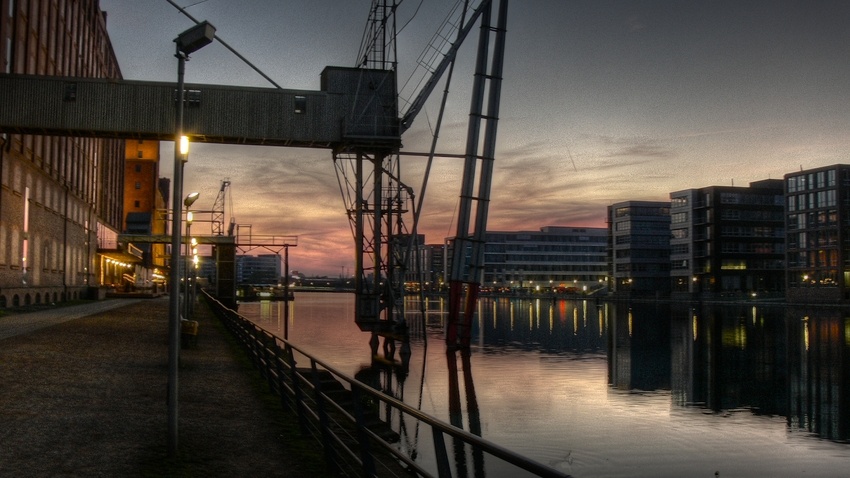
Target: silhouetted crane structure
column 355, row 114
column 218, row 210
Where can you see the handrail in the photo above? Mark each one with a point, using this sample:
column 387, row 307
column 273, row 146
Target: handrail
column 350, row 444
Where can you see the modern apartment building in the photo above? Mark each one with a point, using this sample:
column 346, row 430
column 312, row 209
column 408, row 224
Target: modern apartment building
column 728, row 240
column 263, row 269
column 817, row 221
column 555, row 257
column 61, row 197
column 639, row 248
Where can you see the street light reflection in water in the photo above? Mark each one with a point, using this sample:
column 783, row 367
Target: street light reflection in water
column 613, row 389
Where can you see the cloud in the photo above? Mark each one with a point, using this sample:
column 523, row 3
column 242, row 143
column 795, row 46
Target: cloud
column 635, row 147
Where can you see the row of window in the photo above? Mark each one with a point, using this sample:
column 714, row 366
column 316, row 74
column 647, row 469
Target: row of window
column 649, row 240
column 813, row 219
column 535, row 258
column 750, row 198
column 641, row 211
column 813, row 239
column 800, row 202
column 819, row 180
column 816, row 258
column 559, row 238
column 557, row 248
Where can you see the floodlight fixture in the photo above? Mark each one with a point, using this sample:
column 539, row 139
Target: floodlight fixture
column 190, row 199
column 195, row 38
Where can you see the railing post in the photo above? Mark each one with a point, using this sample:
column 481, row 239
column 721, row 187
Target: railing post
column 279, row 361
column 323, row 414
column 440, row 455
column 365, row 450
column 296, row 390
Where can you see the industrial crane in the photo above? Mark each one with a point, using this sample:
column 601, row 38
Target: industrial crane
column 355, row 114
column 218, row 210
column 377, row 199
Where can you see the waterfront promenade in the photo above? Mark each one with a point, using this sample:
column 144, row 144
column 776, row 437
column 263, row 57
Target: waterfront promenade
column 83, row 393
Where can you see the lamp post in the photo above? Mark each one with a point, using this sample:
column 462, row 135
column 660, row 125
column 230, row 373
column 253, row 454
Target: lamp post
column 187, row 202
column 187, row 43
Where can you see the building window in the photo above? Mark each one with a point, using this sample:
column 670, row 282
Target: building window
column 137, row 204
column 680, row 249
column 300, row 104
column 679, row 217
column 139, row 166
column 138, row 185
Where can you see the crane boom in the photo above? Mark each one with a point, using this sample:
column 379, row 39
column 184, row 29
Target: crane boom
column 417, row 104
column 218, row 209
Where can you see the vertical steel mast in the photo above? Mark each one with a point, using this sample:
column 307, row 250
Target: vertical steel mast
column 370, row 179
column 376, row 199
column 467, row 265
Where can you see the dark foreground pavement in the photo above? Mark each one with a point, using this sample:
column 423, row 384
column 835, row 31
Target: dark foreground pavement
column 87, row 397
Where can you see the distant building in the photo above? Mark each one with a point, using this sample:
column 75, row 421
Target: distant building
column 61, row 197
column 435, row 265
column 144, row 204
column 728, row 240
column 263, row 269
column 410, row 262
column 639, row 247
column 429, row 268
column 817, row 222
column 564, row 257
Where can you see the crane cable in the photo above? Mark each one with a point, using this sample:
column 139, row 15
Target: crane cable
column 184, row 12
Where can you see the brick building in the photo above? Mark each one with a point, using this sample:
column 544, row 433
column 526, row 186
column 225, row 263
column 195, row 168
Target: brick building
column 61, row 197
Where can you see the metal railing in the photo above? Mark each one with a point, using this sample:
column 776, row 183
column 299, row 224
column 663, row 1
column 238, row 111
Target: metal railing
column 343, row 413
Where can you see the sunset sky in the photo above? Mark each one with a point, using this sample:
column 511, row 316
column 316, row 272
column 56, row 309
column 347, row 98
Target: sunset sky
column 602, row 101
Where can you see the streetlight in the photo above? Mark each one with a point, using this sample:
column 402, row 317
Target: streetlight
column 190, row 199
column 187, row 43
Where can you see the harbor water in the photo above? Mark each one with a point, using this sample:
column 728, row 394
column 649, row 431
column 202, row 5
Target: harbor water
column 601, row 389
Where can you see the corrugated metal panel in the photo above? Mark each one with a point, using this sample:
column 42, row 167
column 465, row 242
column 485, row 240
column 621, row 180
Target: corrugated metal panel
column 355, row 108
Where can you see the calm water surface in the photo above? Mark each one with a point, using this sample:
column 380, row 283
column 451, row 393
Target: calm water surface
column 601, row 389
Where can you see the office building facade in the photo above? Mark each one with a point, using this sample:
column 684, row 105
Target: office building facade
column 555, row 257
column 817, row 225
column 639, row 248
column 728, row 241
column 263, row 269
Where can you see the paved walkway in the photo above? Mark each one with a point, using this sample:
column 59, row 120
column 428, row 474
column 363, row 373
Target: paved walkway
column 83, row 393
column 19, row 324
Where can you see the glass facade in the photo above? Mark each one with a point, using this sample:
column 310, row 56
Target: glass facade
column 816, row 220
column 554, row 257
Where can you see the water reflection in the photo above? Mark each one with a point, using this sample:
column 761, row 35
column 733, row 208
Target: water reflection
column 639, row 357
column 456, row 412
column 818, row 382
column 553, row 326
column 560, row 380
column 768, row 360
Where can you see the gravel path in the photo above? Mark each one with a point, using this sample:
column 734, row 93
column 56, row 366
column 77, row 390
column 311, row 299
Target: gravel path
column 86, row 396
